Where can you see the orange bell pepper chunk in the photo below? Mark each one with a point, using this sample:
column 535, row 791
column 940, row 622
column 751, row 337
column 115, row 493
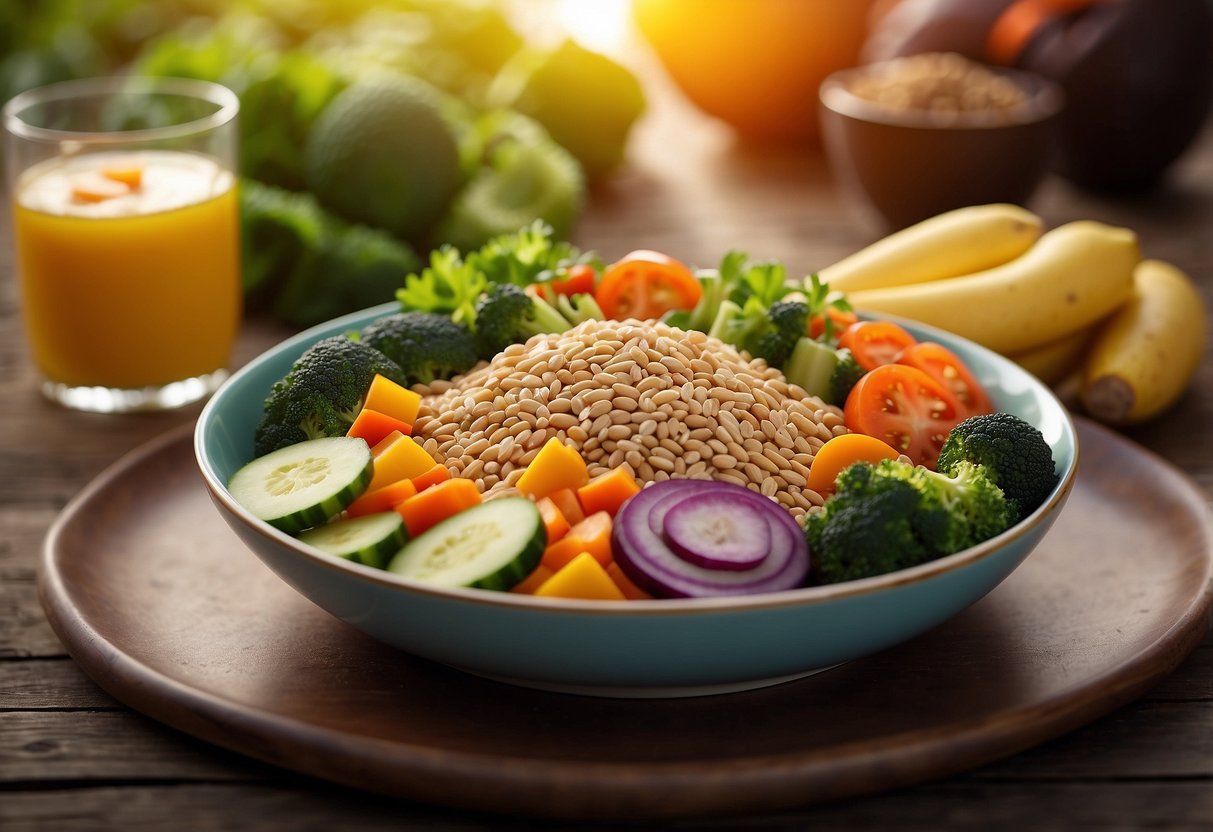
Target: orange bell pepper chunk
column 533, row 581
column 556, row 466
column 582, row 577
column 607, row 492
column 388, row 397
column 566, row 500
column 381, row 499
column 554, row 521
column 403, row 459
column 373, row 426
column 430, row 507
column 437, row 474
column 592, row 535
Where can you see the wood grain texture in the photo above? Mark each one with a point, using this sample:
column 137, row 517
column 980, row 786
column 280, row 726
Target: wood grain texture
column 691, row 190
column 198, row 634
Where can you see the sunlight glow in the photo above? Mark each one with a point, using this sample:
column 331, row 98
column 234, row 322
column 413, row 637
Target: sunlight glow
column 600, row 25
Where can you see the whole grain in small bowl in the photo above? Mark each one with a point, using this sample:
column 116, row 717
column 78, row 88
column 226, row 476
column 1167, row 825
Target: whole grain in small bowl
column 917, row 136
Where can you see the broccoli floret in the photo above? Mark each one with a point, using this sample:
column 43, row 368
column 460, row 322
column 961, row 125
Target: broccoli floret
column 322, row 393
column 892, row 515
column 276, row 225
column 975, row 508
column 846, row 375
column 871, row 525
column 305, row 265
column 1014, row 453
column 507, row 314
column 764, row 332
column 426, row 345
column 788, row 322
column 354, row 267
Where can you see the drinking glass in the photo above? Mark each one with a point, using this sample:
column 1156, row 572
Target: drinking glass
column 126, row 229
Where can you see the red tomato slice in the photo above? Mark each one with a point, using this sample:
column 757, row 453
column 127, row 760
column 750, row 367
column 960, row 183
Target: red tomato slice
column 875, row 343
column 906, row 408
column 646, row 285
column 940, row 363
column 575, row 280
column 840, row 321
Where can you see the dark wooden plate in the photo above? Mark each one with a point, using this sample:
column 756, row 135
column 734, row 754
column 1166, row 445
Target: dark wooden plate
column 162, row 606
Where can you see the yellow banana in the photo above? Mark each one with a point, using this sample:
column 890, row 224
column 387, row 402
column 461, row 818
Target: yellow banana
column 1145, row 355
column 1058, row 360
column 952, row 244
column 1075, row 275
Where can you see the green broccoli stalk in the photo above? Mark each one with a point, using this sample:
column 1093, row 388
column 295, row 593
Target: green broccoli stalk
column 426, row 345
column 1014, row 453
column 579, row 308
column 508, row 314
column 893, row 515
column 321, row 394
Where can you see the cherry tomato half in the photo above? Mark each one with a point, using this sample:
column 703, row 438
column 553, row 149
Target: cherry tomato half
column 575, row 280
column 875, row 343
column 840, row 320
column 940, row 363
column 646, row 285
column 906, row 408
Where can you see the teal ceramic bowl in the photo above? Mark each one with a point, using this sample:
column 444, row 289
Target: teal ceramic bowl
column 675, row 647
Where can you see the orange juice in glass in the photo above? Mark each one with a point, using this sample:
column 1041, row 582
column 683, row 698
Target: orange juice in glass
column 126, row 231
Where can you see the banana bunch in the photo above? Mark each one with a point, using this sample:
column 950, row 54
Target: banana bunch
column 1077, row 299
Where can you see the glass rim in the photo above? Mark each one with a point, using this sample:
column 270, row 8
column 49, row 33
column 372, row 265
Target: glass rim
column 227, row 102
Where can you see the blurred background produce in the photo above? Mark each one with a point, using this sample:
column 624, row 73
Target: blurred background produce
column 1138, row 74
column 372, row 131
column 755, row 64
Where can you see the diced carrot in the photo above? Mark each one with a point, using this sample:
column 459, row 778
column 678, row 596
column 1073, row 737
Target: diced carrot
column 402, row 460
column 373, row 425
column 385, row 443
column 582, row 577
column 533, row 581
column 91, row 186
column 840, row 451
column 629, row 589
column 439, row 473
column 607, row 492
column 382, row 499
column 129, row 173
column 556, row 466
column 593, row 535
column 553, row 519
column 566, row 500
column 388, row 397
column 430, row 507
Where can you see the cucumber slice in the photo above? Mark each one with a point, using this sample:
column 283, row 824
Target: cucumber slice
column 371, row 539
column 306, row 484
column 492, row 545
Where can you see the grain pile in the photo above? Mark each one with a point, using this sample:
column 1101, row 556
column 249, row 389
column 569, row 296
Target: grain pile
column 662, row 402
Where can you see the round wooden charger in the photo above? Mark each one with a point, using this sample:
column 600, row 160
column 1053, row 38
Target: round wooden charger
column 163, row 607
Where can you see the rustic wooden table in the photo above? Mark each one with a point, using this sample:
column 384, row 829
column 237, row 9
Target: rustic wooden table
column 73, row 758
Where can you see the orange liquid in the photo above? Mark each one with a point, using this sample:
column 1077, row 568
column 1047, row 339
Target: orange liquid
column 134, row 298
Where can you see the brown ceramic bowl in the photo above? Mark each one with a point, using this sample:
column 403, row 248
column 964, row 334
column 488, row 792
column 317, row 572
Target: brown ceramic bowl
column 908, row 165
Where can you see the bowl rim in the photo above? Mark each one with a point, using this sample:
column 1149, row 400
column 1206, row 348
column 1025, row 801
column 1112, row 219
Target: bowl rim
column 1046, row 100
column 797, row 597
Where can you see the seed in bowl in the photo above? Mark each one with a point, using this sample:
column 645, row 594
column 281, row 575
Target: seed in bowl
column 944, row 84
column 659, row 401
